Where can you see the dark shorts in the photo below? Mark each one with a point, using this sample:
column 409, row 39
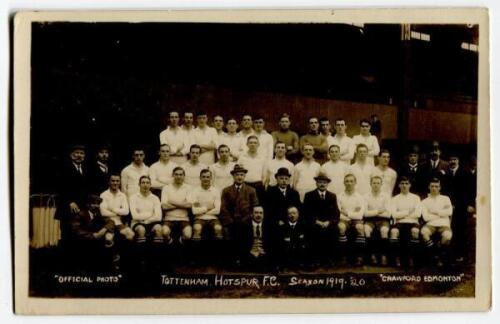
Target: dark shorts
column 148, row 227
column 377, row 222
column 174, row 225
column 402, row 227
column 208, row 222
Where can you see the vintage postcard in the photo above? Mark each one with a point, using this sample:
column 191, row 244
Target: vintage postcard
column 251, row 161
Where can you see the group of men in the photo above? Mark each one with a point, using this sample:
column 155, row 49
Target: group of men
column 276, row 198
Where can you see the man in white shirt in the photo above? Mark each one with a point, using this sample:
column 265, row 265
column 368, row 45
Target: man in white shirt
column 368, row 139
column 436, row 212
column 114, row 205
column 389, row 175
column 377, row 220
column 335, row 170
column 232, row 139
column 130, row 174
column 206, row 137
column 352, row 209
column 278, row 162
column 362, row 170
column 219, row 125
column 160, row 172
column 175, row 204
column 221, row 170
column 188, row 130
column 325, row 128
column 406, row 210
column 175, row 137
column 305, row 171
column 266, row 143
column 246, row 126
column 193, row 166
column 256, row 166
column 343, row 141
column 206, row 202
column 145, row 209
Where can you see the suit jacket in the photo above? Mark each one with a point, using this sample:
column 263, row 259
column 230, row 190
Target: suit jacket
column 293, row 238
column 417, row 178
column 73, row 187
column 99, row 180
column 455, row 186
column 247, row 237
column 236, row 207
column 83, row 226
column 277, row 204
column 316, row 208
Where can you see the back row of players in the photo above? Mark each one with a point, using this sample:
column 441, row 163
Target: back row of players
column 333, row 200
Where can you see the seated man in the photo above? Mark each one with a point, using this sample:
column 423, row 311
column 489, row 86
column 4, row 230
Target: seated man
column 91, row 234
column 322, row 215
column 292, row 240
column 436, row 211
column 175, row 204
column 404, row 235
column 205, row 201
column 146, row 213
column 255, row 241
column 352, row 209
column 280, row 197
column 377, row 220
column 114, row 206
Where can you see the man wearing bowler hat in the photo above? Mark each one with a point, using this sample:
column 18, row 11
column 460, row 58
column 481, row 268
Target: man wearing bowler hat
column 280, row 197
column 237, row 202
column 321, row 212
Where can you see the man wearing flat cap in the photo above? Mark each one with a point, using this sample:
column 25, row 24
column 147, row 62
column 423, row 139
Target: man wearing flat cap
column 321, row 212
column 74, row 187
column 280, row 197
column 237, row 202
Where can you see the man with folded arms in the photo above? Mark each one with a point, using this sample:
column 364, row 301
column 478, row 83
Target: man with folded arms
column 160, row 172
column 206, row 137
column 174, row 137
column 255, row 163
column 335, row 170
column 352, row 209
column 278, row 162
column 133, row 172
column 221, row 170
column 436, row 212
column 193, row 166
column 287, row 136
column 389, row 175
column 305, row 171
column 406, row 210
column 368, row 139
column 362, row 170
column 346, row 144
column 316, row 139
column 232, row 139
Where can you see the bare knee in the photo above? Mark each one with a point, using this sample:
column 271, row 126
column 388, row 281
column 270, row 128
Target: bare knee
column 187, row 233
column 360, row 229
column 166, row 231
column 384, row 232
column 157, row 230
column 394, row 233
column 342, row 228
column 368, row 231
column 140, row 231
column 415, row 232
column 446, row 237
column 426, row 233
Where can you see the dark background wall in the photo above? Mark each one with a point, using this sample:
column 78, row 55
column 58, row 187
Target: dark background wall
column 116, row 82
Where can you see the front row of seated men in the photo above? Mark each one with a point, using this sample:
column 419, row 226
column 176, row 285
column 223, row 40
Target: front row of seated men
column 325, row 228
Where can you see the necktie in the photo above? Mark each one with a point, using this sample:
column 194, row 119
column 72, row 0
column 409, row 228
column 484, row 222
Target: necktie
column 79, row 168
column 257, row 231
column 104, row 168
column 322, row 196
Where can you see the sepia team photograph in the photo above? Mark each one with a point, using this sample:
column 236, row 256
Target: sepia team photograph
column 250, row 161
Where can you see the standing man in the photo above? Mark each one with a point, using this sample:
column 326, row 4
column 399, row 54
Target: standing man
column 131, row 173
column 436, row 212
column 435, row 166
column 246, row 126
column 160, row 172
column 280, row 197
column 368, row 139
column 232, row 139
column 74, row 188
column 221, row 170
column 352, row 209
column 377, row 220
column 414, row 172
column 206, row 202
column 100, row 170
column 406, row 210
column 325, row 128
column 322, row 215
column 237, row 202
column 455, row 186
column 278, row 162
column 146, row 212
column 314, row 138
column 175, row 138
column 256, row 166
column 266, row 143
column 287, row 136
column 376, row 126
column 362, row 170
column 114, row 206
column 206, row 137
column 388, row 175
column 305, row 171
column 193, row 166
column 175, row 204
column 188, row 132
column 335, row 170
column 343, row 141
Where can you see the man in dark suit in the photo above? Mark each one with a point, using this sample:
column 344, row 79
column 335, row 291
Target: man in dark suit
column 292, row 240
column 237, row 202
column 321, row 213
column 435, row 167
column 100, row 170
column 256, row 240
column 280, row 197
column 73, row 188
column 414, row 171
column 455, row 187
